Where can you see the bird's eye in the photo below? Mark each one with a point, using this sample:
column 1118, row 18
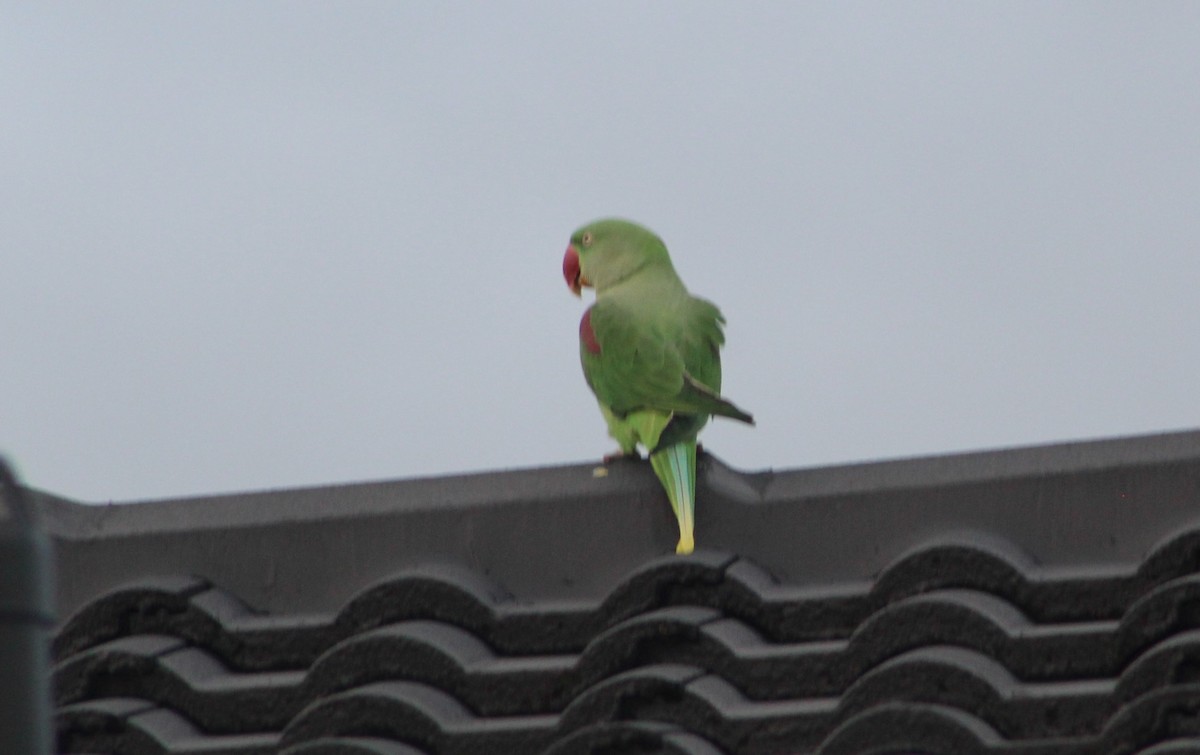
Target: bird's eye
column 586, row 238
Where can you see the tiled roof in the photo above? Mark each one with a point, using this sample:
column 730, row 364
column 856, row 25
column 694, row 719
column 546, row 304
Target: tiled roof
column 1042, row 600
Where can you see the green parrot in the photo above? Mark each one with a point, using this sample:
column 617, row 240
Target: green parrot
column 650, row 353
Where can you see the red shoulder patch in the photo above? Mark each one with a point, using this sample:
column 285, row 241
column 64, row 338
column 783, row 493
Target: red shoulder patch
column 586, row 335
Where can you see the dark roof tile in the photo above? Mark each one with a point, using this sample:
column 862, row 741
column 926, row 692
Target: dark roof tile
column 137, row 727
column 448, row 658
column 1020, row 602
column 632, row 738
column 926, row 729
column 419, row 714
column 353, row 746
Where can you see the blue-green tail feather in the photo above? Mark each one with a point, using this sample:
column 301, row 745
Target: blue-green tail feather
column 675, row 466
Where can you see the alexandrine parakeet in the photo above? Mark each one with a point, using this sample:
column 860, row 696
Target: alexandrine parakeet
column 650, row 353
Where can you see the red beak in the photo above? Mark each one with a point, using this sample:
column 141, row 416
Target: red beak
column 571, row 271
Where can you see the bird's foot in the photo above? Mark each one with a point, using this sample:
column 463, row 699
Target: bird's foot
column 619, row 454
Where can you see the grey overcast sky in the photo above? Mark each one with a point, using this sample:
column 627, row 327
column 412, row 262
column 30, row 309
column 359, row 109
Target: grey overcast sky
column 279, row 244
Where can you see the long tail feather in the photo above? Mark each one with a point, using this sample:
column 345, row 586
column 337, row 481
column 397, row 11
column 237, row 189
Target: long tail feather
column 675, row 466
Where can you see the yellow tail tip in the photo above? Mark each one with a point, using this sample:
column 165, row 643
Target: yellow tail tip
column 686, row 545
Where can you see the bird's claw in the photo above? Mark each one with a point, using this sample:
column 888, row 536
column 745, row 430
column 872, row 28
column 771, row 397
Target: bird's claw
column 618, row 455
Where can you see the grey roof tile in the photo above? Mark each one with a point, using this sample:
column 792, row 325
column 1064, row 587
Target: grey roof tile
column 632, row 738
column 923, row 728
column 419, row 714
column 353, row 746
column 127, row 726
column 1030, row 601
column 1174, row 747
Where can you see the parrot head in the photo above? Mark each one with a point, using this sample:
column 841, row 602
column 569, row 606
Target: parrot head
column 608, row 251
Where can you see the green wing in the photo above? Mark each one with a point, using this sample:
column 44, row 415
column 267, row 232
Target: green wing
column 664, row 358
column 637, row 366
